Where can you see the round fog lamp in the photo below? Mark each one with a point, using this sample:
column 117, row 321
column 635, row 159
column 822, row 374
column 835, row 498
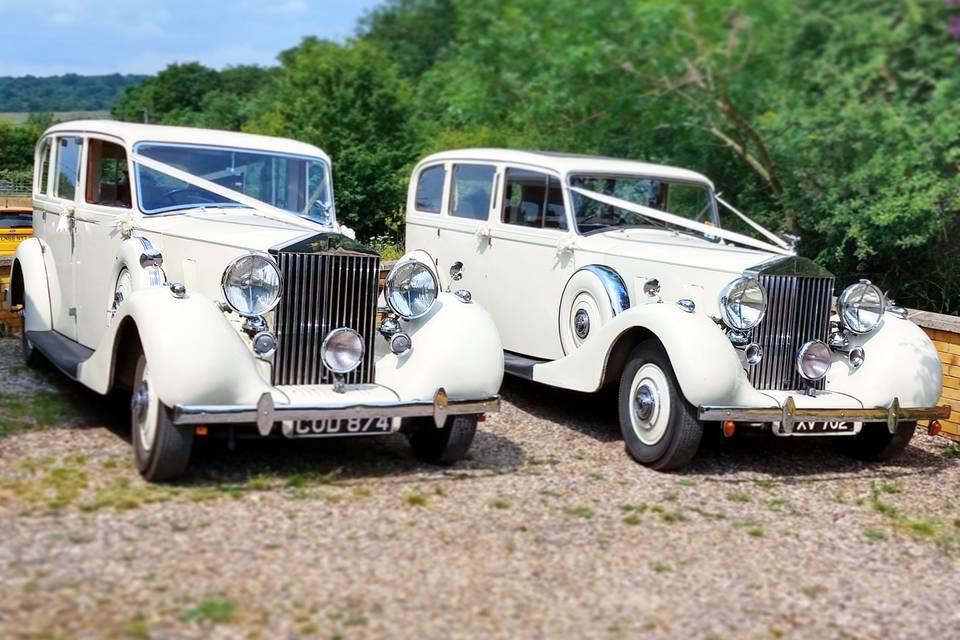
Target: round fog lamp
column 813, row 360
column 400, row 343
column 856, row 357
column 342, row 350
column 264, row 343
column 753, row 354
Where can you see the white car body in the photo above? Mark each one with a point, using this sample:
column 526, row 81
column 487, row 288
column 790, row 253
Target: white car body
column 201, row 361
column 521, row 275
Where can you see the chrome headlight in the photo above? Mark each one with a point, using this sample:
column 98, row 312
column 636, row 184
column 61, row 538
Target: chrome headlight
column 813, row 360
column 861, row 307
column 743, row 303
column 410, row 289
column 251, row 284
column 342, row 350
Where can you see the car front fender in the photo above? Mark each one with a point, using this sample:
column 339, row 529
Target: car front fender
column 456, row 346
column 195, row 355
column 706, row 365
column 30, row 287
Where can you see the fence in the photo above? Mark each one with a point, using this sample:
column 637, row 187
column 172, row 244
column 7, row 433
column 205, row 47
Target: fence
column 15, row 188
column 945, row 333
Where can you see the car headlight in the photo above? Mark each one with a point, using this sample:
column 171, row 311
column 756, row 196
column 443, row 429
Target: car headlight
column 410, row 289
column 813, row 360
column 861, row 307
column 251, row 284
column 743, row 303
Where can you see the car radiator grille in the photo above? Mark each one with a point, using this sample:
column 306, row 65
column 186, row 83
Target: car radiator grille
column 323, row 292
column 798, row 310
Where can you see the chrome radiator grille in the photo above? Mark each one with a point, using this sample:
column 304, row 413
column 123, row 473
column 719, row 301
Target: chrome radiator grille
column 798, row 310
column 323, row 292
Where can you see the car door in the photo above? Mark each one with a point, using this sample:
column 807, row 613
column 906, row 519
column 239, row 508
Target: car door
column 54, row 209
column 106, row 198
column 526, row 261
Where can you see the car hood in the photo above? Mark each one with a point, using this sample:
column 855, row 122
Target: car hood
column 677, row 249
column 240, row 228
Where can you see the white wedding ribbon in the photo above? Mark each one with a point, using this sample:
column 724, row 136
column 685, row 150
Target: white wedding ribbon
column 233, row 195
column 759, row 229
column 669, row 218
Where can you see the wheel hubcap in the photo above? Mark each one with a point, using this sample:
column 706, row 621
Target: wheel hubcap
column 649, row 404
column 581, row 323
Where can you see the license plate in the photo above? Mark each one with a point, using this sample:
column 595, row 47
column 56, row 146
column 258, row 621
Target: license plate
column 824, row 427
column 344, row 427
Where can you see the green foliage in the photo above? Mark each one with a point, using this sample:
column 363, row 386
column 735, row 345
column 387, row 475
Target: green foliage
column 68, row 92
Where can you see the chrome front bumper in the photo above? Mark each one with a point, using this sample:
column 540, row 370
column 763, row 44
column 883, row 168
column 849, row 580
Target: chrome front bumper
column 265, row 413
column 788, row 415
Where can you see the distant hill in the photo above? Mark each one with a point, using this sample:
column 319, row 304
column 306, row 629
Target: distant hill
column 70, row 92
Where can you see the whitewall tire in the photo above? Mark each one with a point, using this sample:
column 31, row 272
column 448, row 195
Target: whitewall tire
column 161, row 449
column 659, row 426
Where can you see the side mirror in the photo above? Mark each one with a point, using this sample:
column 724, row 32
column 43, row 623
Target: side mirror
column 456, row 273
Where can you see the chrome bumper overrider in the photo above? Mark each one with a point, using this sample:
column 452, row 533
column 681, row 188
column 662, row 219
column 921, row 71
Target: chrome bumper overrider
column 265, row 413
column 789, row 414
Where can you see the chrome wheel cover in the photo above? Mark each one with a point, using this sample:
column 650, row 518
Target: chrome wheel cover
column 649, row 404
column 145, row 410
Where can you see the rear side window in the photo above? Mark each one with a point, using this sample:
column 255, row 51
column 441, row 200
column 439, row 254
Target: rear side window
column 472, row 190
column 108, row 179
column 429, row 198
column 43, row 170
column 533, row 199
column 68, row 167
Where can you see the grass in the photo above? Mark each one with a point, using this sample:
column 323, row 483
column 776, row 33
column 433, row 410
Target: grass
column 738, row 496
column 415, row 500
column 635, row 508
column 579, row 512
column 952, row 450
column 632, row 520
column 214, row 611
column 874, row 536
column 659, row 568
column 500, row 504
column 784, row 506
column 42, row 409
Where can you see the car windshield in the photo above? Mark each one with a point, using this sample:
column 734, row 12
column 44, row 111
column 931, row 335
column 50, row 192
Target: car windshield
column 296, row 184
column 688, row 200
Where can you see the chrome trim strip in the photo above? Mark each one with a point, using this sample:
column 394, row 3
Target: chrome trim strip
column 613, row 284
column 265, row 413
column 789, row 414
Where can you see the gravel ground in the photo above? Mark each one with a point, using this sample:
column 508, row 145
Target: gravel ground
column 547, row 530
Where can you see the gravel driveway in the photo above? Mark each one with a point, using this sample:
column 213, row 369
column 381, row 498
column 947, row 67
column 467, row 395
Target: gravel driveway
column 548, row 530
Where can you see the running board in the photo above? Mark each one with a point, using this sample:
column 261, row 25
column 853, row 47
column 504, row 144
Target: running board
column 64, row 353
column 520, row 366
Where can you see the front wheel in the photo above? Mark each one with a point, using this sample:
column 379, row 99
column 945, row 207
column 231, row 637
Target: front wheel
column 659, row 426
column 161, row 449
column 875, row 443
column 441, row 446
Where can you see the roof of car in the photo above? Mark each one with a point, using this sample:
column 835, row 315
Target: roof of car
column 569, row 163
column 132, row 133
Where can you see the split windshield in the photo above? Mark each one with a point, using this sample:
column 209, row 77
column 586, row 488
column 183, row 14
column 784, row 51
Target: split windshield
column 296, row 184
column 690, row 201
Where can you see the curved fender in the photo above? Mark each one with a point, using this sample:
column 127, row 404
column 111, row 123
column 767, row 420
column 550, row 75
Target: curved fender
column 456, row 346
column 899, row 361
column 36, row 290
column 195, row 355
column 705, row 363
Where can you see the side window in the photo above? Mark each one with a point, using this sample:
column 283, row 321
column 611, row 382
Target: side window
column 43, row 169
column 108, row 180
column 472, row 189
column 429, row 196
column 533, row 199
column 68, row 167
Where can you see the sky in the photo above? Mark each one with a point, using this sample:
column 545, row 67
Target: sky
column 52, row 37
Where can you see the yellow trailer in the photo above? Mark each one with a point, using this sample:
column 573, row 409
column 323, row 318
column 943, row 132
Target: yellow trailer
column 16, row 225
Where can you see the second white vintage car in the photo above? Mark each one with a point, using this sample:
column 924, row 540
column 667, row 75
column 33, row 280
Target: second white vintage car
column 603, row 272
column 206, row 273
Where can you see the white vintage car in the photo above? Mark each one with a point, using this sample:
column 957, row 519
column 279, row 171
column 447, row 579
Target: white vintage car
column 606, row 272
column 206, row 272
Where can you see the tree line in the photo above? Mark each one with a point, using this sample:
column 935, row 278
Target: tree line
column 69, row 92
column 836, row 122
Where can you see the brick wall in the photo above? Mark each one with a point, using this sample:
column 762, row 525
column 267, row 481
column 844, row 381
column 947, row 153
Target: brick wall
column 945, row 333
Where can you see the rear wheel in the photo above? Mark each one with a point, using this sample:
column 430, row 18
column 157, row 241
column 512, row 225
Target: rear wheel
column 31, row 357
column 441, row 446
column 659, row 426
column 875, row 443
column 161, row 449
